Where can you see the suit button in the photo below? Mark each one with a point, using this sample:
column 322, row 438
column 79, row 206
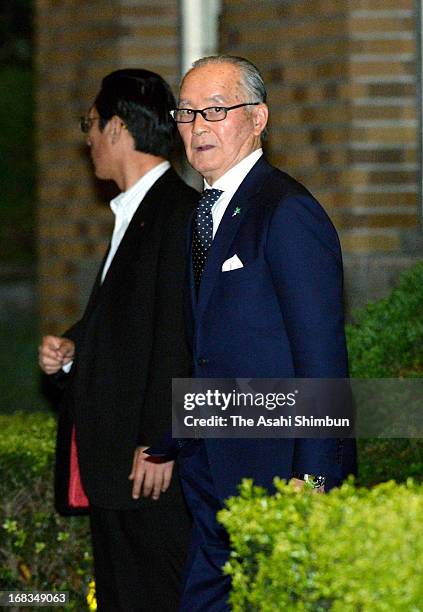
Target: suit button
column 202, row 361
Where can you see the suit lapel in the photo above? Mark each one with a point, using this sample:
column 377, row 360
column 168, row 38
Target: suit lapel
column 245, row 197
column 190, row 269
column 140, row 225
column 96, row 286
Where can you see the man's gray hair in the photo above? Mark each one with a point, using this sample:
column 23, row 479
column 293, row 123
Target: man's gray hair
column 251, row 79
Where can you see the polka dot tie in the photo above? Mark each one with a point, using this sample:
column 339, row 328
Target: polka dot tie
column 203, row 232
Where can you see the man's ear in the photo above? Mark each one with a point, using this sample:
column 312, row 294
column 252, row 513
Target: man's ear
column 260, row 117
column 115, row 126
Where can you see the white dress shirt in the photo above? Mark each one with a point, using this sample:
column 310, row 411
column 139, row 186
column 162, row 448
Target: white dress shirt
column 229, row 184
column 125, row 205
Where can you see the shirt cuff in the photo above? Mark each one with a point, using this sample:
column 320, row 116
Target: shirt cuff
column 66, row 368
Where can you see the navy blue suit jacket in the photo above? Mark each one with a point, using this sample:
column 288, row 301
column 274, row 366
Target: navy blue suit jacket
column 279, row 316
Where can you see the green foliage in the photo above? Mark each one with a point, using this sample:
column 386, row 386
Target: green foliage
column 387, row 338
column 352, row 549
column 38, row 548
column 387, row 341
column 394, row 459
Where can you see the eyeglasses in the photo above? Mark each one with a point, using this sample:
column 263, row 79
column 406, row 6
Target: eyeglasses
column 86, row 123
column 211, row 113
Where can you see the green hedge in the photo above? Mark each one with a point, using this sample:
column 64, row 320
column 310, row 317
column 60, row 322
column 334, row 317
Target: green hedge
column 38, row 548
column 386, row 341
column 352, row 549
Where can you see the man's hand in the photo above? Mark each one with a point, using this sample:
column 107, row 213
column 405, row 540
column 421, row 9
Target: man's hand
column 55, row 352
column 300, row 484
column 150, row 475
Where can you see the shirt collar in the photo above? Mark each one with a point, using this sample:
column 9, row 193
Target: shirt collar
column 232, row 179
column 126, row 203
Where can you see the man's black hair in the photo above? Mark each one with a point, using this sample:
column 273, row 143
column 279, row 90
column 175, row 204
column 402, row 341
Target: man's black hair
column 142, row 99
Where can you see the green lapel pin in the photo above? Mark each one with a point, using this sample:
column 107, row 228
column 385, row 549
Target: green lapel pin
column 236, row 211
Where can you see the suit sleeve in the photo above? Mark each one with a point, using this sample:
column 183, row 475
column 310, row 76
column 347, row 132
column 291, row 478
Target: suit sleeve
column 75, row 332
column 170, row 356
column 304, row 256
column 61, row 378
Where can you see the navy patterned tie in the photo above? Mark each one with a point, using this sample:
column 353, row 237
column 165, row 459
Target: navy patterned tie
column 203, row 232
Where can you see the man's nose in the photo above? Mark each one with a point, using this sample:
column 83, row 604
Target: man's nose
column 199, row 125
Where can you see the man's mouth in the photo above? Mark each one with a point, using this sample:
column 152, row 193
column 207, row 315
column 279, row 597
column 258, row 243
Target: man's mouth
column 202, row 148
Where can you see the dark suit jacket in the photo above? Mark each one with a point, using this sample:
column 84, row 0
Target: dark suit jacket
column 279, row 316
column 130, row 342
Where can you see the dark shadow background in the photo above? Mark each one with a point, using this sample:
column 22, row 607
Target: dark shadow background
column 19, row 378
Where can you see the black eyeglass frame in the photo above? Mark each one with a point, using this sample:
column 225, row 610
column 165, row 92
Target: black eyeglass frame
column 202, row 111
column 86, row 123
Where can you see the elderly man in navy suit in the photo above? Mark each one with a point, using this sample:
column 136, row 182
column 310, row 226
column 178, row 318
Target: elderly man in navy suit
column 265, row 301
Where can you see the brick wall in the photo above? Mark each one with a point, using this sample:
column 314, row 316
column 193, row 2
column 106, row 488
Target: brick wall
column 343, row 94
column 77, row 44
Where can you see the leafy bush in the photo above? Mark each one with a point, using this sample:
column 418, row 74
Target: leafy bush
column 395, row 459
column 352, row 549
column 386, row 340
column 38, row 548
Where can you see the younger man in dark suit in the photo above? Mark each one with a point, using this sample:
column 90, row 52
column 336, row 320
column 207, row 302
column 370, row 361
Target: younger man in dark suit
column 117, row 362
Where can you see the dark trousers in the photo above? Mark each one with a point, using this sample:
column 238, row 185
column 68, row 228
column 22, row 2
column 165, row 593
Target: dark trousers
column 206, row 588
column 139, row 557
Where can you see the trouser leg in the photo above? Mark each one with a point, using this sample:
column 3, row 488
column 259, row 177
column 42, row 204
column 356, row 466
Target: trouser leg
column 139, row 556
column 206, row 588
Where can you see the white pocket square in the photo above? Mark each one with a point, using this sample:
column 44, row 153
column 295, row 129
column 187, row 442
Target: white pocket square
column 233, row 263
